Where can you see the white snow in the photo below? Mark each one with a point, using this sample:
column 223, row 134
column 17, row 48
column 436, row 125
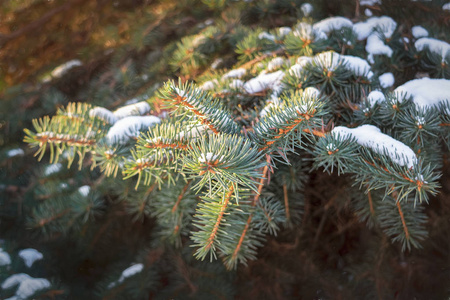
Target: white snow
column 85, row 189
column 236, row 73
column 368, row 12
column 331, row 60
column 306, row 9
column 131, row 101
column 5, row 259
column 372, row 137
column 386, row 24
column 209, row 157
column 296, row 70
column 332, row 23
column 433, row 45
column 209, row 85
column 128, row 127
column 358, row 65
column 386, row 80
column 376, row 97
column 328, row 60
column 311, row 92
column 215, row 64
column 14, row 280
column 425, row 92
column 30, row 286
column 446, row 6
column 130, row 271
column 275, row 63
column 62, row 69
column 304, row 30
column 52, row 169
column 30, row 255
column 236, row 84
column 375, row 46
column 266, row 35
column 136, row 109
column 369, row 2
column 304, row 60
column 272, row 102
column 193, row 131
column 103, row 113
column 264, row 81
column 283, row 31
column 15, row 152
column 419, row 31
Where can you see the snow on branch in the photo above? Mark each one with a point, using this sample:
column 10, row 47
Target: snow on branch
column 372, row 137
column 425, row 92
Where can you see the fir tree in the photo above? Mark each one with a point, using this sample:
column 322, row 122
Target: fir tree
column 266, row 131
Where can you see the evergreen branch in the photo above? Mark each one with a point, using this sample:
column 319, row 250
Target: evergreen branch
column 386, row 174
column 403, row 221
column 301, row 112
column 201, row 105
column 234, row 257
column 213, row 234
column 223, row 158
column 151, row 168
column 369, row 196
column 210, row 217
column 286, row 202
column 175, row 206
column 400, row 212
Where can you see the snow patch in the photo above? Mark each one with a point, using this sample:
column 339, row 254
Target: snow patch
column 85, row 189
column 103, row 113
column 419, row 31
column 433, row 45
column 15, row 152
column 265, row 35
column 236, row 84
column 265, row 81
column 332, row 23
column 5, row 259
column 375, row 46
column 372, row 137
column 30, row 255
column 386, row 80
column 14, row 280
column 307, row 9
column 209, row 157
column 283, row 31
column 425, row 92
column 369, row 2
column 331, row 60
column 128, row 127
column 375, row 97
column 64, row 68
column 446, row 6
column 275, row 63
column 136, row 109
column 236, row 73
column 52, row 169
column 128, row 272
column 385, row 24
column 209, row 85
column 30, row 286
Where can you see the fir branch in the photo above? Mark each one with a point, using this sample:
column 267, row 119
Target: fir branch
column 210, row 218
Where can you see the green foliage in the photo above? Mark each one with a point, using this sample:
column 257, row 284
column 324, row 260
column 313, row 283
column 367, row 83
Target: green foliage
column 242, row 165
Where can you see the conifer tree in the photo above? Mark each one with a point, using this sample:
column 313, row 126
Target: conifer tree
column 269, row 131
